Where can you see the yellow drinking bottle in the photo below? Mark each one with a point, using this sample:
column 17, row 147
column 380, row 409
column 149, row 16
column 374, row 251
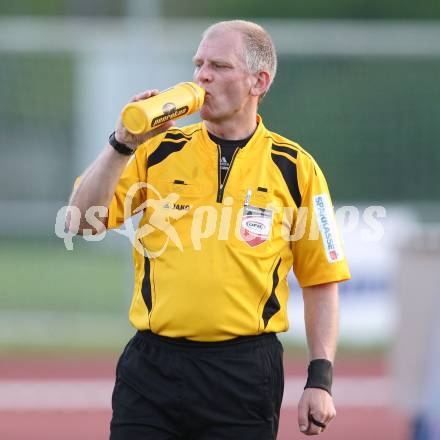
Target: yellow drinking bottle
column 178, row 101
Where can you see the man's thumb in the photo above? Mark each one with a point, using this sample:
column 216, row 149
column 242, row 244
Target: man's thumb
column 303, row 419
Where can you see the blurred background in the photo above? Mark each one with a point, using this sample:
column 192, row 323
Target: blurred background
column 357, row 86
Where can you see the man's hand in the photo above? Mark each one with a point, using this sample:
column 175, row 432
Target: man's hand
column 317, row 404
column 131, row 140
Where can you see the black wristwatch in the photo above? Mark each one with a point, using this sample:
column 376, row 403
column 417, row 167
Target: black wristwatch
column 119, row 147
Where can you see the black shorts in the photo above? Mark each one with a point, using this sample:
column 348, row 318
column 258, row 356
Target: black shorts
column 169, row 389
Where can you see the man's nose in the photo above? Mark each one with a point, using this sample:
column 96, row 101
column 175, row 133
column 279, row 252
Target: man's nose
column 202, row 75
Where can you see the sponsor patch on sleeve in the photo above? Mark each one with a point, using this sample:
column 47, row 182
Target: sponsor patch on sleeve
column 327, row 225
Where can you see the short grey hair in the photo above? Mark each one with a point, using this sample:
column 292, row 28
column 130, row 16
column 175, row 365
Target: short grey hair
column 259, row 50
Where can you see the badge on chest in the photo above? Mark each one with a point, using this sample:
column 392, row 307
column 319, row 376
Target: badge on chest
column 256, row 224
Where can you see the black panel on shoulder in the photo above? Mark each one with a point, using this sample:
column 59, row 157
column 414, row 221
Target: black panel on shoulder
column 272, row 305
column 146, row 285
column 288, row 170
column 164, row 150
column 292, row 153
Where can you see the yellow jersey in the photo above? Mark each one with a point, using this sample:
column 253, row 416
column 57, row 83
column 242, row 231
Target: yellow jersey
column 211, row 258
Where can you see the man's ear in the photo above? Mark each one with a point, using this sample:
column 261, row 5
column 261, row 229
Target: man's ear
column 261, row 83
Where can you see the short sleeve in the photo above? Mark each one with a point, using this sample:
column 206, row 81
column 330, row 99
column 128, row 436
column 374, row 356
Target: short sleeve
column 130, row 191
column 318, row 255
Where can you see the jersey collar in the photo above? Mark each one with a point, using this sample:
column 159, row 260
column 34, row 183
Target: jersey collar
column 253, row 143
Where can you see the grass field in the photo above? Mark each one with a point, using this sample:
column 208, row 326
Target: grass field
column 58, row 299
column 43, row 275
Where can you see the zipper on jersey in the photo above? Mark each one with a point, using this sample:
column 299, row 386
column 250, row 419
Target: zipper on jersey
column 221, row 185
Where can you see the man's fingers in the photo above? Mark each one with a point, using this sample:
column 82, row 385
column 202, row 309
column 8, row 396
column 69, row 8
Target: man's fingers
column 303, row 418
column 328, row 417
column 144, row 95
column 144, row 137
column 313, row 430
column 318, row 421
column 161, row 128
column 315, row 427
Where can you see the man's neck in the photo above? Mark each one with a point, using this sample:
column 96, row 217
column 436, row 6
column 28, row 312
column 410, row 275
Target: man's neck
column 232, row 129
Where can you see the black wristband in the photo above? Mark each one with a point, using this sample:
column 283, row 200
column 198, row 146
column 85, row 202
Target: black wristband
column 320, row 375
column 120, row 148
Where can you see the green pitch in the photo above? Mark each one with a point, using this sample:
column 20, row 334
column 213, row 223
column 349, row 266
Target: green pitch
column 43, row 275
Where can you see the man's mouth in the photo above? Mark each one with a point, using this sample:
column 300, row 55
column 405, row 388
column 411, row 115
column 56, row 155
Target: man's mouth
column 207, row 98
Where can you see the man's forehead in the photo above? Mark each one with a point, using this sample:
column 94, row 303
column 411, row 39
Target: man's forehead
column 226, row 45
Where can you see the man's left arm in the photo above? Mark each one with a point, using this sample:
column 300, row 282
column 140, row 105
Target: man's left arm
column 321, row 315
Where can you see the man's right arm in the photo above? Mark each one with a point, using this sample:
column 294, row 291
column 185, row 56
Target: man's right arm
column 98, row 183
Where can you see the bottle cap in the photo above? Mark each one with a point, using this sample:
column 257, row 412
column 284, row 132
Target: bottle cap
column 135, row 119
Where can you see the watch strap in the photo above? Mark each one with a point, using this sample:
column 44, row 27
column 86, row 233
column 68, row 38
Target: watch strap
column 119, row 147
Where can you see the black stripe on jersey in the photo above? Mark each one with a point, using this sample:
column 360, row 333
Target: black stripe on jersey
column 272, row 305
column 177, row 136
column 163, row 151
column 291, row 145
column 146, row 285
column 292, row 153
column 288, row 170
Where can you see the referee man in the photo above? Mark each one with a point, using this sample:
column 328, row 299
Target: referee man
column 229, row 208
